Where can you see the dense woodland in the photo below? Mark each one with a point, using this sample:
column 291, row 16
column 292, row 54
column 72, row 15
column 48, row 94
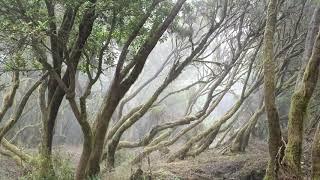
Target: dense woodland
column 159, row 89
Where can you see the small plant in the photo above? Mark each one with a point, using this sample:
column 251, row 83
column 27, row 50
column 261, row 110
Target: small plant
column 61, row 165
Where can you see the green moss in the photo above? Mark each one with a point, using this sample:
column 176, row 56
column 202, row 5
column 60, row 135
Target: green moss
column 270, row 173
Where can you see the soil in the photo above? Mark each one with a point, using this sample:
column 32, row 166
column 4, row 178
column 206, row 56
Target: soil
column 213, row 165
column 9, row 169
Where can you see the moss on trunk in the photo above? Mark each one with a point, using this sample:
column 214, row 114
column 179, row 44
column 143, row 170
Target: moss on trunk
column 269, row 91
column 316, row 155
column 298, row 109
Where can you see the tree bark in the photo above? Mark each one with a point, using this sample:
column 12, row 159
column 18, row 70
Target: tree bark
column 242, row 138
column 301, row 97
column 269, row 91
column 316, row 155
column 9, row 96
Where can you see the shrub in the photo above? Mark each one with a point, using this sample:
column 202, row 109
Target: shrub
column 62, row 167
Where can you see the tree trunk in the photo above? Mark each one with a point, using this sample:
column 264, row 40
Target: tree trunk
column 301, row 97
column 242, row 138
column 49, row 116
column 81, row 173
column 316, row 155
column 269, row 91
column 101, row 127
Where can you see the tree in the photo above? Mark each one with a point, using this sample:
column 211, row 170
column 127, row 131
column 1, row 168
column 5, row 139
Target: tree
column 269, row 91
column 300, row 99
column 74, row 45
column 68, row 45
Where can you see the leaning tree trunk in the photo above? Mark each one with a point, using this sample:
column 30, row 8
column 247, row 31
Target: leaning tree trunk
column 301, row 97
column 242, row 138
column 185, row 120
column 119, row 89
column 172, row 75
column 269, row 91
column 208, row 136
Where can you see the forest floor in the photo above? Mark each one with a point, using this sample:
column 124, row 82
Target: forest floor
column 213, row 164
column 9, row 169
